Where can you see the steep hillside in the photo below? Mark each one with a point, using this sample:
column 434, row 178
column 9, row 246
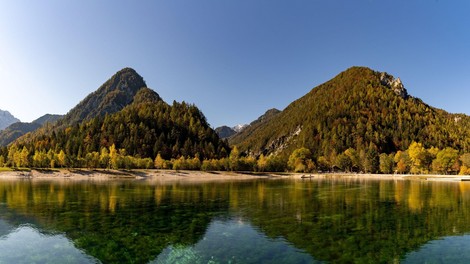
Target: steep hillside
column 116, row 93
column 111, row 97
column 7, row 119
column 359, row 108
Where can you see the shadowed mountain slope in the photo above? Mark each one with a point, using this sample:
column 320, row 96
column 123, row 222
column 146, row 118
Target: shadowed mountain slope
column 18, row 129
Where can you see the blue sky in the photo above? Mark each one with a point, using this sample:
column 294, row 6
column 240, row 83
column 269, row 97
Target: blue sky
column 233, row 59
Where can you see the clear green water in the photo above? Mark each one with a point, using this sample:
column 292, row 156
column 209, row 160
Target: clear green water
column 256, row 221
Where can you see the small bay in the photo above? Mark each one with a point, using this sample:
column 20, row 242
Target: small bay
column 327, row 220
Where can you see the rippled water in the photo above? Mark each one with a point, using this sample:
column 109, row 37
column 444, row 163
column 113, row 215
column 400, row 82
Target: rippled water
column 254, row 221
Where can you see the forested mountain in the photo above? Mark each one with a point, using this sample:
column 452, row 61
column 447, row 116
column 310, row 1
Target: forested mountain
column 18, row 129
column 122, row 124
column 111, row 97
column 361, row 109
column 7, row 119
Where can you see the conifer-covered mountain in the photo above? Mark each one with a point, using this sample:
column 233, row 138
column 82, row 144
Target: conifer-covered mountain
column 361, row 109
column 6, row 119
column 18, row 129
column 111, row 97
column 123, row 118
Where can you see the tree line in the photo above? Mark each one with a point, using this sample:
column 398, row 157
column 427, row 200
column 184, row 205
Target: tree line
column 130, row 138
column 414, row 160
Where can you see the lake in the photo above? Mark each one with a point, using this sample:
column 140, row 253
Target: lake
column 253, row 221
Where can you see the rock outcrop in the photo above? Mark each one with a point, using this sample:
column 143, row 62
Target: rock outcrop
column 395, row 84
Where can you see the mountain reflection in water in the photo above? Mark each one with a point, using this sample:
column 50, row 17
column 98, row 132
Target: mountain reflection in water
column 234, row 241
column 271, row 221
column 26, row 244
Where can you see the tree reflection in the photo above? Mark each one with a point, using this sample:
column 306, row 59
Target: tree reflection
column 333, row 220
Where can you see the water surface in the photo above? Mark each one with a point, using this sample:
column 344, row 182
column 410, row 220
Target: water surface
column 254, row 221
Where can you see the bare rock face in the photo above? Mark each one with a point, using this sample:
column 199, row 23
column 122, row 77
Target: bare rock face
column 394, row 83
column 7, row 119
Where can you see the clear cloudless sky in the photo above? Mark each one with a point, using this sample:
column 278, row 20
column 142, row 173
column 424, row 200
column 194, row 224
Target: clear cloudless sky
column 233, row 59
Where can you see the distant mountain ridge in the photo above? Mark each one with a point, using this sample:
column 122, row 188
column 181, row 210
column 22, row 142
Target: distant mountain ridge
column 225, row 131
column 229, row 132
column 6, row 119
column 18, row 129
column 253, row 126
column 47, row 118
column 361, row 109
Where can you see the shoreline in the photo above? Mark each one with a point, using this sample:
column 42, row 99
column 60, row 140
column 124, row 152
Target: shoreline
column 151, row 175
column 163, row 176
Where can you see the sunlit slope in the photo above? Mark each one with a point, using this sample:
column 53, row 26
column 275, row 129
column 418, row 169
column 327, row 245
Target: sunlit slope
column 357, row 108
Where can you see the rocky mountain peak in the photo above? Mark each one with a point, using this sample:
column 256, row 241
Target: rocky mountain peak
column 394, row 83
column 116, row 93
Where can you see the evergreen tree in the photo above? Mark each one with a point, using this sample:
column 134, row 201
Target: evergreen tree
column 386, row 163
column 371, row 163
column 343, row 162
